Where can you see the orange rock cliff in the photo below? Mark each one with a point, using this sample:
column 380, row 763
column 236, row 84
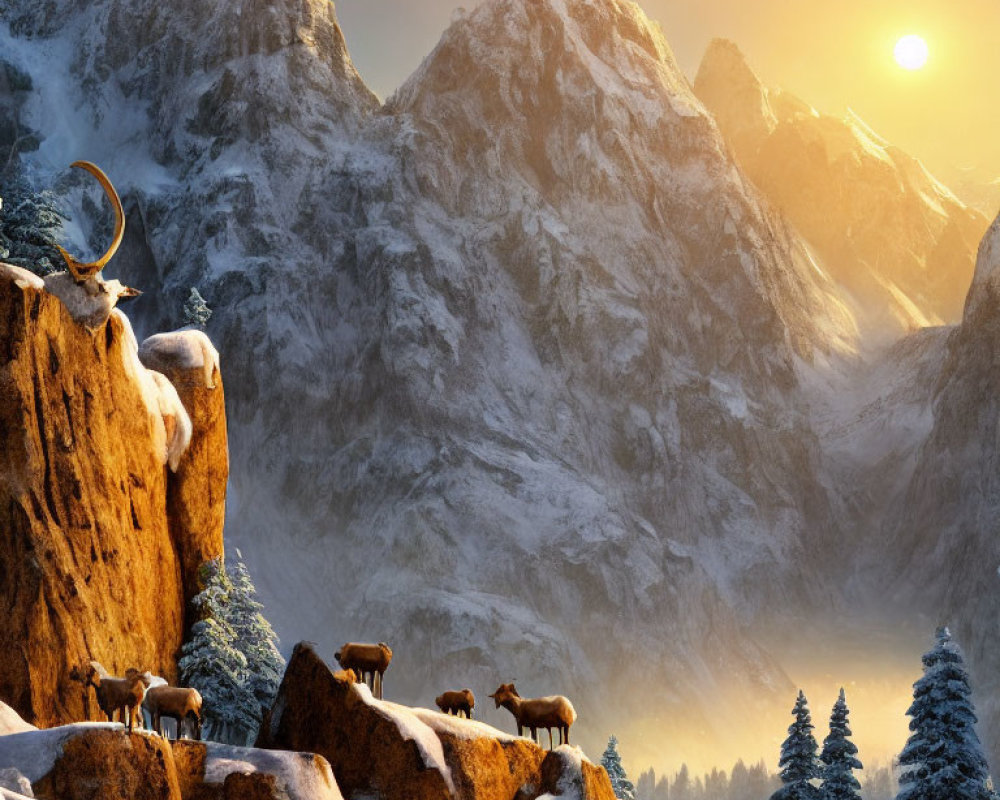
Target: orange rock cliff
column 112, row 493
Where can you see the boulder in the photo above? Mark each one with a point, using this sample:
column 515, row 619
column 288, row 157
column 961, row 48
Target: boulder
column 395, row 752
column 92, row 563
column 212, row 771
column 111, row 765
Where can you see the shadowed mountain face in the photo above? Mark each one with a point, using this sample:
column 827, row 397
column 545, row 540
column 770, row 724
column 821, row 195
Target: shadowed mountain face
column 900, row 243
column 514, row 364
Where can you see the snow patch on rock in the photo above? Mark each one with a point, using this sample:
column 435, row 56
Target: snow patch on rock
column 21, row 277
column 172, row 425
column 35, row 752
column 412, row 728
column 302, row 776
column 11, row 722
column 189, row 348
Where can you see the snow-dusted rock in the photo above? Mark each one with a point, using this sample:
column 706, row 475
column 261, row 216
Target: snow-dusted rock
column 396, row 752
column 295, row 776
column 14, row 784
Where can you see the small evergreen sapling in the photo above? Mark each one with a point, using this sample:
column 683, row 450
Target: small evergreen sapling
column 196, row 310
column 943, row 759
column 799, row 765
column 839, row 757
column 612, row 762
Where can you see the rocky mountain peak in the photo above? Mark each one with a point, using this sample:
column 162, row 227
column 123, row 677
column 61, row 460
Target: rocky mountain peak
column 899, row 243
column 727, row 85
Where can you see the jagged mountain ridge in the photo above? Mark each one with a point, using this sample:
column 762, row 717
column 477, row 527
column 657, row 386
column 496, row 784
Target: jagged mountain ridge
column 518, row 403
column 900, row 243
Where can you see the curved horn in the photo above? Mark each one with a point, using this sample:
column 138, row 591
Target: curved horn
column 80, row 270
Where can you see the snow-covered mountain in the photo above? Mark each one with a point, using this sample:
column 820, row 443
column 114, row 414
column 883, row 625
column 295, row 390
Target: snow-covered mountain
column 901, row 244
column 521, row 370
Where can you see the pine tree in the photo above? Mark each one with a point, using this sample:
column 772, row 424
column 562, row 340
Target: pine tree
column 256, row 640
column 943, row 759
column 839, row 757
column 196, row 310
column 211, row 663
column 680, row 789
column 30, row 222
column 798, row 757
column 646, row 785
column 612, row 762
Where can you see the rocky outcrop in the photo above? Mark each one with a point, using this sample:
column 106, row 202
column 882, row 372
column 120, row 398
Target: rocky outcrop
column 196, row 493
column 399, row 753
column 900, row 242
column 211, row 771
column 89, row 557
column 113, row 766
column 102, row 761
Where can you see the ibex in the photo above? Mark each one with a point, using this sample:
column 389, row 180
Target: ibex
column 544, row 712
column 366, row 660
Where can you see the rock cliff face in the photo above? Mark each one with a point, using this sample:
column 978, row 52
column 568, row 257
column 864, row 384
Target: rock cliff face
column 89, row 564
column 398, row 753
column 941, row 541
column 900, row 242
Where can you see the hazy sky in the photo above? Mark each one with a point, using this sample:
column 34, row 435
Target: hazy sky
column 832, row 53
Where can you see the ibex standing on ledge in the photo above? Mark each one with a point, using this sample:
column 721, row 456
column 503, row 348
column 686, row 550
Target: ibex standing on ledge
column 366, row 660
column 544, row 712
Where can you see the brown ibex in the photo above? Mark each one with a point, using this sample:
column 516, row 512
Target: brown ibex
column 123, row 695
column 543, row 712
column 366, row 660
column 174, row 702
column 457, row 702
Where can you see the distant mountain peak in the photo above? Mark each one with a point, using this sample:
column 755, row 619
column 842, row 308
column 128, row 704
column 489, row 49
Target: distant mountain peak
column 899, row 243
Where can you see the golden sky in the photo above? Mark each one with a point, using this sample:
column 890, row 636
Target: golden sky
column 834, row 54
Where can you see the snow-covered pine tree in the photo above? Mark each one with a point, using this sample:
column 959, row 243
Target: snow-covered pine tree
column 612, row 762
column 196, row 310
column 943, row 759
column 256, row 640
column 799, row 765
column 211, row 663
column 839, row 757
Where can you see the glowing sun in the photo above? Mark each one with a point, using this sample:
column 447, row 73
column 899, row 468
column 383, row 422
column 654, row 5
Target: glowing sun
column 911, row 52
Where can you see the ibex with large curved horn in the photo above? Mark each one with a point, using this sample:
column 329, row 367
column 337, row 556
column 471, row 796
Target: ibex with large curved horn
column 87, row 296
column 80, row 271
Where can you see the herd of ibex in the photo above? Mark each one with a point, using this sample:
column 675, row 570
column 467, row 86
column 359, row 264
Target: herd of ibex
column 368, row 663
column 141, row 691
